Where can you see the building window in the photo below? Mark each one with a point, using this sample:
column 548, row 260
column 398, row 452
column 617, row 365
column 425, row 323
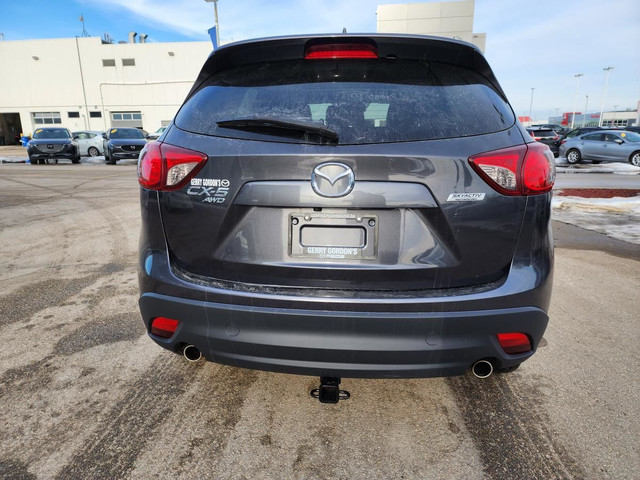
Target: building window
column 73, row 114
column 46, row 118
column 108, row 62
column 95, row 114
column 128, row 62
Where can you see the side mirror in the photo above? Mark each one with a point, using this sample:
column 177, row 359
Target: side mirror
column 104, row 135
column 75, row 138
column 618, row 141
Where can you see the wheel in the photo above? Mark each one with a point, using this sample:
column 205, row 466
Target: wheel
column 573, row 156
column 634, row 159
column 75, row 160
column 111, row 161
column 93, row 152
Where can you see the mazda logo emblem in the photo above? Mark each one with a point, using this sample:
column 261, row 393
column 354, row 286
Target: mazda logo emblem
column 332, row 179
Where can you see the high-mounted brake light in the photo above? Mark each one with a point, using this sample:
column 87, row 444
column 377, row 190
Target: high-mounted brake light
column 164, row 327
column 528, row 169
column 513, row 343
column 167, row 167
column 340, row 50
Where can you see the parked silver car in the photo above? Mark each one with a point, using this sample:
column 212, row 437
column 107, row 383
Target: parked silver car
column 89, row 142
column 603, row 146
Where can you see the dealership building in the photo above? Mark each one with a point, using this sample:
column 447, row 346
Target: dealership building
column 88, row 84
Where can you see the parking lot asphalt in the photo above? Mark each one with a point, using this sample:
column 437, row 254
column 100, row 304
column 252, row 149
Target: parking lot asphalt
column 85, row 394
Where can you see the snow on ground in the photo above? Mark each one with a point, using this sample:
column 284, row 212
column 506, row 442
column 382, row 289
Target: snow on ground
column 99, row 160
column 616, row 217
column 619, row 168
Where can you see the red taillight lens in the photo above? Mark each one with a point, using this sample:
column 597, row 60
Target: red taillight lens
column 523, row 170
column 164, row 327
column 340, row 50
column 537, row 139
column 513, row 343
column 538, row 170
column 167, row 167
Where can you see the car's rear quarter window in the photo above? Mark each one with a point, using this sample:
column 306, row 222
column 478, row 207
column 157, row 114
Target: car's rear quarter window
column 364, row 101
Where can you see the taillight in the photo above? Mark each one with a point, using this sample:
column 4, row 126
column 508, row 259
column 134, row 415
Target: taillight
column 537, row 139
column 340, row 50
column 528, row 169
column 164, row 327
column 563, row 141
column 513, row 343
column 166, row 167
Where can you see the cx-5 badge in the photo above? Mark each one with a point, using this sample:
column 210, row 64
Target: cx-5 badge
column 332, row 179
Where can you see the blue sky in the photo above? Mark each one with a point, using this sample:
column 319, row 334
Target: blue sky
column 540, row 44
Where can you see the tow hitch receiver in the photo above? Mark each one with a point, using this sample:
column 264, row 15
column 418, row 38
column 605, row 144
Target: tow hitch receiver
column 329, row 391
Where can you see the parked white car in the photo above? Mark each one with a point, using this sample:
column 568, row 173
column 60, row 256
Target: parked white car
column 157, row 133
column 89, row 143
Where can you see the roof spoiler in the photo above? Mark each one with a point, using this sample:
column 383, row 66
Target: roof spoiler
column 405, row 47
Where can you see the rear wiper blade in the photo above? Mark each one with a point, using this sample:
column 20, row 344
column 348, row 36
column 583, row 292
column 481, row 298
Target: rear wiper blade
column 280, row 127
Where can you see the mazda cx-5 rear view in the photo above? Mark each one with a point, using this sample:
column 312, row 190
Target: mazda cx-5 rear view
column 347, row 206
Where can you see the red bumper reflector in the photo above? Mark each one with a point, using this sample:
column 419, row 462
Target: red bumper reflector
column 340, row 50
column 163, row 327
column 513, row 343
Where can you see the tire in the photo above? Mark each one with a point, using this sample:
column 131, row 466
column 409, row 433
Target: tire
column 75, row 160
column 33, row 162
column 573, row 156
column 634, row 159
column 93, row 152
column 111, row 161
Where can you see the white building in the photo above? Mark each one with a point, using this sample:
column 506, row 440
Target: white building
column 83, row 83
column 444, row 19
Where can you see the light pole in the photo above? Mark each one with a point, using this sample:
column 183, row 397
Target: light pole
column 531, row 104
column 613, row 122
column 604, row 94
column 584, row 115
column 215, row 9
column 575, row 100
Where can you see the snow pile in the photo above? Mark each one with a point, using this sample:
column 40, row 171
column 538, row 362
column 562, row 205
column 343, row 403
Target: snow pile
column 619, row 168
column 616, row 217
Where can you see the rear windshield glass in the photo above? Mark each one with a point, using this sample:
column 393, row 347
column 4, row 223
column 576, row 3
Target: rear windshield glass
column 543, row 133
column 51, row 133
column 366, row 101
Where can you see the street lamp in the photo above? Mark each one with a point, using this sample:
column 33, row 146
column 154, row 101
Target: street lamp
column 613, row 122
column 584, row 115
column 575, row 100
column 604, row 93
column 531, row 104
column 215, row 8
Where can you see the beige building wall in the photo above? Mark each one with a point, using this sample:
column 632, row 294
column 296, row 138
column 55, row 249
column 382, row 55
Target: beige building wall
column 445, row 19
column 47, row 76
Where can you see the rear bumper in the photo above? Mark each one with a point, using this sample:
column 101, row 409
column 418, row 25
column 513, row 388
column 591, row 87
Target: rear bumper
column 343, row 343
column 351, row 334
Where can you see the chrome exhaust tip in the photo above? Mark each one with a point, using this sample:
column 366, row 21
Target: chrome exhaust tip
column 191, row 353
column 482, row 368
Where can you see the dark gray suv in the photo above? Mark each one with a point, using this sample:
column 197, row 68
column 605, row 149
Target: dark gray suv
column 347, row 206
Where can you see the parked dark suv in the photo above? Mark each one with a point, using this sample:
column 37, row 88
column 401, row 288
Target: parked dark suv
column 48, row 145
column 121, row 143
column 347, row 206
column 547, row 136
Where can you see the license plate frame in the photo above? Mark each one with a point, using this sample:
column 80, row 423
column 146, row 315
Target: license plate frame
column 366, row 224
